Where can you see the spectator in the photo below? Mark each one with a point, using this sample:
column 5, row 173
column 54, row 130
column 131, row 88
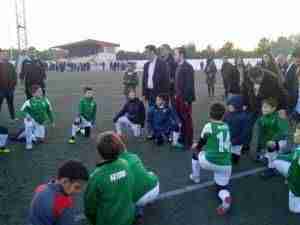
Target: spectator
column 211, row 71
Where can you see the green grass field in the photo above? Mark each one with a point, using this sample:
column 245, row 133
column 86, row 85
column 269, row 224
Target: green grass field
column 256, row 201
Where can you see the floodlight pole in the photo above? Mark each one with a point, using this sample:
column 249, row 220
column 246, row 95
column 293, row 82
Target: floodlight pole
column 21, row 25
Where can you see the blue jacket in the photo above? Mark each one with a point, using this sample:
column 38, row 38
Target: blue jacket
column 134, row 110
column 51, row 206
column 238, row 121
column 162, row 119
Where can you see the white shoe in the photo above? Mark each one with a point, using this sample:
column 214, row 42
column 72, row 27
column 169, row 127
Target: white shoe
column 29, row 147
column 194, row 179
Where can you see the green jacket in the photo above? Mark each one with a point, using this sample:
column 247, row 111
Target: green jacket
column 108, row 197
column 88, row 109
column 271, row 128
column 144, row 181
column 294, row 174
column 39, row 109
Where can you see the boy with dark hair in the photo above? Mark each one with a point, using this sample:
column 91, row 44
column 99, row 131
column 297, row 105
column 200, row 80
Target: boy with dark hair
column 87, row 115
column 238, row 121
column 213, row 152
column 288, row 165
column 38, row 112
column 163, row 123
column 130, row 79
column 108, row 197
column 132, row 115
column 53, row 203
column 3, row 140
column 272, row 134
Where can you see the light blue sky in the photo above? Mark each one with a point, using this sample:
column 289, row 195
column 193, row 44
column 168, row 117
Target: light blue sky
column 135, row 23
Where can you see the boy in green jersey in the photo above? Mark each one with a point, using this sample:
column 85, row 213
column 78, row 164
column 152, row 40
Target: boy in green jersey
column 215, row 155
column 146, row 184
column 108, row 198
column 272, row 134
column 37, row 112
column 289, row 166
column 87, row 115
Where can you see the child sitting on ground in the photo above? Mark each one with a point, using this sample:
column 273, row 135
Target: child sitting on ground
column 3, row 140
column 238, row 122
column 130, row 79
column 163, row 123
column 37, row 112
column 87, row 115
column 272, row 134
column 215, row 155
column 131, row 116
column 289, row 166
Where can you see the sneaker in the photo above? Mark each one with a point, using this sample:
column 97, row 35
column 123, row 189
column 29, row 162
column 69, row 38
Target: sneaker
column 72, row 140
column 178, row 146
column 196, row 180
column 82, row 132
column 224, row 207
column 29, row 147
column 4, row 150
column 269, row 173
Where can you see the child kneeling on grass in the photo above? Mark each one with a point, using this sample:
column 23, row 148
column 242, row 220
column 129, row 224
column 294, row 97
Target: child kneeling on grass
column 132, row 115
column 87, row 115
column 272, row 134
column 3, row 140
column 108, row 198
column 146, row 184
column 215, row 155
column 163, row 123
column 53, row 203
column 37, row 112
column 288, row 165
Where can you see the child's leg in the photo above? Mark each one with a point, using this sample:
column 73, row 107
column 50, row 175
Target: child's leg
column 149, row 197
column 39, row 131
column 136, row 129
column 28, row 133
column 236, row 153
column 3, row 138
column 294, row 203
column 282, row 166
column 122, row 122
column 76, row 126
column 195, row 175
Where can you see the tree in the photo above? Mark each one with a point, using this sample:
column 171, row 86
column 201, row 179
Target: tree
column 226, row 50
column 264, row 46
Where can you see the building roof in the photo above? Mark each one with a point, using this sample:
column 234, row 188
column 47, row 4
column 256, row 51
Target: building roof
column 87, row 42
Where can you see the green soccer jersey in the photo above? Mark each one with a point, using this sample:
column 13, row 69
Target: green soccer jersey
column 108, row 197
column 39, row 109
column 294, row 173
column 271, row 128
column 218, row 145
column 144, row 181
column 88, row 109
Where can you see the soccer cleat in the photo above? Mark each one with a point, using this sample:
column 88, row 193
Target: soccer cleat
column 224, row 207
column 72, row 140
column 4, row 150
column 29, row 147
column 196, row 180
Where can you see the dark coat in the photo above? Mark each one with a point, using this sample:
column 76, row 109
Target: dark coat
column 8, row 76
column 270, row 88
column 291, row 84
column 134, row 110
column 33, row 72
column 234, row 81
column 161, row 79
column 171, row 66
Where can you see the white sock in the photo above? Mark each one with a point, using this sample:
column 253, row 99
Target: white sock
column 223, row 194
column 175, row 137
column 3, row 140
column 271, row 156
column 195, row 168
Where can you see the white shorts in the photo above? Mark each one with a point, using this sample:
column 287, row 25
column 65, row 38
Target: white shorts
column 282, row 166
column 222, row 174
column 38, row 130
column 83, row 122
column 125, row 122
column 149, row 197
column 294, row 203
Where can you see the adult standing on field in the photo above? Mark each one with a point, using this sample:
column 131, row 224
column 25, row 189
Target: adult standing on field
column 8, row 81
column 185, row 95
column 210, row 71
column 33, row 73
column 166, row 54
column 156, row 78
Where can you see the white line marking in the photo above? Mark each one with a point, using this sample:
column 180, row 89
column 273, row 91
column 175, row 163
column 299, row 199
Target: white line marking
column 194, row 187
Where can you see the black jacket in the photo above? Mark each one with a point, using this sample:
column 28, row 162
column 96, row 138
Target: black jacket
column 291, row 84
column 33, row 72
column 161, row 79
column 184, row 82
column 134, row 110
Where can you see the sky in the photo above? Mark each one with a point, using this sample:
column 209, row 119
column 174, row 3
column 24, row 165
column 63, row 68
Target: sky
column 136, row 23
